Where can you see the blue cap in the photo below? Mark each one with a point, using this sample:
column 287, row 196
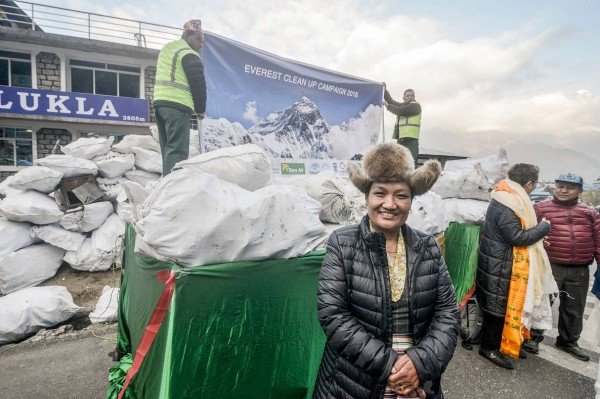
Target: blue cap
column 570, row 178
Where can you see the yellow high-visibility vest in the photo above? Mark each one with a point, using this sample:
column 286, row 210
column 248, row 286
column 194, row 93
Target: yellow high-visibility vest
column 171, row 82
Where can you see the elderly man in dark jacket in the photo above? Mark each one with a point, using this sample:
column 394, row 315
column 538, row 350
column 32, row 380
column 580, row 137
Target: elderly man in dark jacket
column 361, row 316
column 502, row 231
column 572, row 246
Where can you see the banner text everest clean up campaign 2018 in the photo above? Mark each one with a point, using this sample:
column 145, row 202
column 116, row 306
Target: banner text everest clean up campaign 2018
column 295, row 112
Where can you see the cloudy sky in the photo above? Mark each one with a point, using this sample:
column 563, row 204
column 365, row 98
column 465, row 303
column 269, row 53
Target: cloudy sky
column 523, row 75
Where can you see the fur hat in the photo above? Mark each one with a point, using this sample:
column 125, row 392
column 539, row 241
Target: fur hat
column 391, row 163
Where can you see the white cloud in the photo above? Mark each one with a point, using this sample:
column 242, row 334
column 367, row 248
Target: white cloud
column 250, row 113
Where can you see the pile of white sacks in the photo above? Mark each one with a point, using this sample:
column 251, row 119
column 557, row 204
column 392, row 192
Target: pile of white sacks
column 36, row 237
column 221, row 206
column 461, row 194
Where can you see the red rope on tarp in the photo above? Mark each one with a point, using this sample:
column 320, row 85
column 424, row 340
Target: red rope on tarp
column 467, row 296
column 158, row 315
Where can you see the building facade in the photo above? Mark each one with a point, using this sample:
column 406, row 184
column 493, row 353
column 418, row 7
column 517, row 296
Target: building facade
column 56, row 88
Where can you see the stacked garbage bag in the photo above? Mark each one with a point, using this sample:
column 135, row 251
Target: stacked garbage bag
column 221, row 207
column 465, row 186
column 37, row 235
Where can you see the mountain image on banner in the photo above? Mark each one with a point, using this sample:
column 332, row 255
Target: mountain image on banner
column 220, row 133
column 298, row 131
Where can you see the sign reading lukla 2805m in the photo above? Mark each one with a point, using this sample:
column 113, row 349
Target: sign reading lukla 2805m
column 60, row 105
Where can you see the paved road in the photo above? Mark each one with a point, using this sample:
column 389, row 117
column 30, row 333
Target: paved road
column 78, row 368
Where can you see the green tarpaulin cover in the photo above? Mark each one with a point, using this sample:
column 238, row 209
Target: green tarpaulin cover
column 235, row 330
column 462, row 251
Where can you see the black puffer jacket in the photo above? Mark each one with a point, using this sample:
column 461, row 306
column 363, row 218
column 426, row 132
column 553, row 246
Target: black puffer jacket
column 501, row 231
column 354, row 304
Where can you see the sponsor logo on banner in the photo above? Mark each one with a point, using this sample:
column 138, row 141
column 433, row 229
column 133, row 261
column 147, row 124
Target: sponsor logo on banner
column 288, row 168
column 314, row 168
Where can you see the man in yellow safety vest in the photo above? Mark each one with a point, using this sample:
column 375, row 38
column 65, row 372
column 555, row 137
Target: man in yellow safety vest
column 179, row 91
column 408, row 120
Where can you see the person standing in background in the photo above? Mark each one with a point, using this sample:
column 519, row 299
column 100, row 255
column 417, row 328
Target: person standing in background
column 408, row 121
column 572, row 246
column 504, row 230
column 179, row 91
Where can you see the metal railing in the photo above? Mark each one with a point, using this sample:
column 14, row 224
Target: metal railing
column 65, row 21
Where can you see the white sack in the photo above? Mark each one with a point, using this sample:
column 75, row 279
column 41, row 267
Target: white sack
column 135, row 193
column 89, row 218
column 150, row 161
column 141, row 176
column 246, row 165
column 99, row 252
column 465, row 210
column 494, row 166
column 5, row 188
column 68, row 166
column 233, row 224
column 427, row 213
column 13, row 236
column 107, row 306
column 125, row 212
column 109, row 236
column 154, row 132
column 111, row 187
column 114, row 165
column 30, row 206
column 25, row 312
column 469, row 183
column 38, row 178
column 55, row 235
column 86, row 258
column 29, row 266
column 88, row 147
column 147, row 142
column 339, row 199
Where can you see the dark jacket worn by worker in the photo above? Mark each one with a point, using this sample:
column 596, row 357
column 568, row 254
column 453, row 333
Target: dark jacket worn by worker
column 408, row 117
column 354, row 302
column 502, row 231
column 575, row 235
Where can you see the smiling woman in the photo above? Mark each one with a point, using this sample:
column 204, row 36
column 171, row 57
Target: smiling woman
column 385, row 299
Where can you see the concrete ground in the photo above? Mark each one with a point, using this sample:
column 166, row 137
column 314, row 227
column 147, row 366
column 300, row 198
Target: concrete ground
column 75, row 365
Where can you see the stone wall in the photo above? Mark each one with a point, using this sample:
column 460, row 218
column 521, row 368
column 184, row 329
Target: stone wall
column 149, row 79
column 48, row 71
column 47, row 138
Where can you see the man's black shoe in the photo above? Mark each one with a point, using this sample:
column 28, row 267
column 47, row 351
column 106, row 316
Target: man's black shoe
column 522, row 354
column 531, row 346
column 574, row 351
column 497, row 358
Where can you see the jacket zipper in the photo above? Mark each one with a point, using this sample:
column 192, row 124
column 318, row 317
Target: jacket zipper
column 572, row 237
column 375, row 394
column 410, row 287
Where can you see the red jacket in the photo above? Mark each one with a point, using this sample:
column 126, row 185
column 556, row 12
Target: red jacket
column 575, row 235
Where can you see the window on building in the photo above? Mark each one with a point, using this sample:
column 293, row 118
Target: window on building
column 15, row 69
column 16, row 146
column 108, row 79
